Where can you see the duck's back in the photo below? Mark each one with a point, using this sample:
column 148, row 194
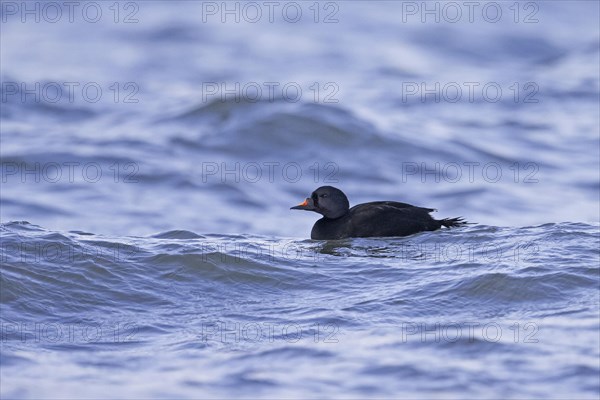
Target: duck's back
column 379, row 218
column 390, row 218
column 391, row 204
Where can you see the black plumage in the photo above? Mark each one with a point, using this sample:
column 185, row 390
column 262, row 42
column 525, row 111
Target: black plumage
column 375, row 219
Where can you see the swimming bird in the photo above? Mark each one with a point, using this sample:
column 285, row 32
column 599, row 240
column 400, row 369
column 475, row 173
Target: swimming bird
column 375, row 219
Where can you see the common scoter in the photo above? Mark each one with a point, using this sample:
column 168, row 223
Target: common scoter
column 378, row 218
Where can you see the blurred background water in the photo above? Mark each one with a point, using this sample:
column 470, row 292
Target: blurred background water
column 151, row 151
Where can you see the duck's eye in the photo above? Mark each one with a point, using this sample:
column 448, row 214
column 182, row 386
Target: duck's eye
column 323, row 195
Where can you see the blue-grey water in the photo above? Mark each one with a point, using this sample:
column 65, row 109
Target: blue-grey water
column 151, row 151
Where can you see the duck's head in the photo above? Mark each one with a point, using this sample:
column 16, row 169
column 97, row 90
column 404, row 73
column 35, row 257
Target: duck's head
column 328, row 201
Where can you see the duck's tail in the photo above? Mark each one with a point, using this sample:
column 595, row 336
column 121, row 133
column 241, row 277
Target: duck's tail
column 453, row 222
